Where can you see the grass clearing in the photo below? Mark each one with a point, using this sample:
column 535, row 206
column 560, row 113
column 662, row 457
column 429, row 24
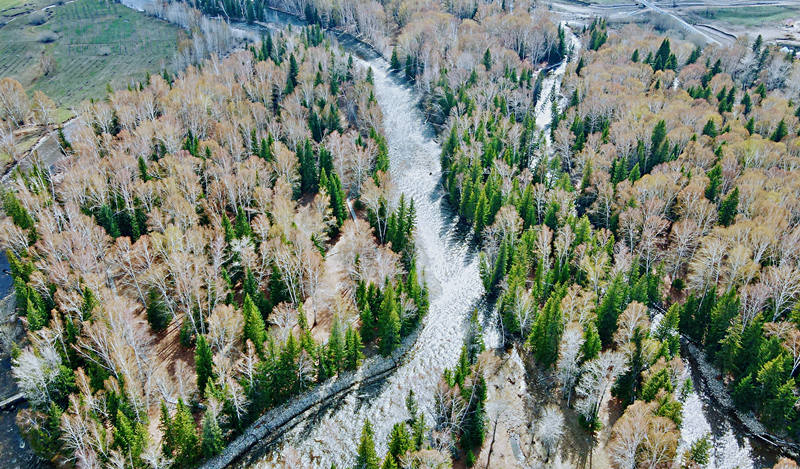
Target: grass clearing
column 8, row 4
column 91, row 42
column 749, row 16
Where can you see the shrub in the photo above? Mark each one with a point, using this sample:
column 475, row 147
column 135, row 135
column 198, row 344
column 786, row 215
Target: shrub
column 37, row 18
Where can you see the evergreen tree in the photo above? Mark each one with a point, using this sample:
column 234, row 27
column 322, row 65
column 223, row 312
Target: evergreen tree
column 389, row 462
column 747, row 103
column 308, row 167
column 546, row 332
column 635, row 56
column 399, row 440
column 388, row 321
column 254, row 329
column 204, row 363
column 728, row 207
column 757, row 44
column 241, row 224
column 667, row 331
column 129, row 436
column 366, row 457
column 710, row 128
column 780, row 131
column 694, row 55
column 729, row 348
column 481, row 214
column 183, row 437
column 354, row 349
column 761, row 90
column 591, row 342
column 213, row 442
column 487, row 59
column 629, row 383
column 609, row 310
column 634, row 174
column 337, row 346
column 750, row 126
column 410, row 69
column 714, row 183
column 395, row 61
column 291, row 79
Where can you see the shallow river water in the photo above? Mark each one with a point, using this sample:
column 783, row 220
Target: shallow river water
column 450, row 266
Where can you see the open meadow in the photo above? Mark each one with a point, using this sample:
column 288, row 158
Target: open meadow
column 72, row 50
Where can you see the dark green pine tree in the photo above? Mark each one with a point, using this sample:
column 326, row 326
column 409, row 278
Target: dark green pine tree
column 780, row 131
column 730, row 347
column 366, row 457
column 778, row 409
column 399, row 440
column 481, row 214
column 757, row 44
column 213, row 442
column 609, row 310
column 35, row 314
column 747, row 103
column 591, row 342
column 487, row 59
column 254, row 329
column 337, row 347
column 750, row 126
column 242, row 224
column 714, row 183
column 334, row 188
column 660, row 61
column 227, row 228
column 389, row 462
column 546, row 332
column 291, row 77
column 368, row 322
column 635, row 56
column 659, row 146
column 388, row 321
column 761, row 90
column 395, row 61
column 308, row 168
column 667, row 331
column 354, row 349
column 131, row 437
column 183, row 437
column 203, row 363
column 410, row 69
column 474, row 428
column 694, row 55
column 634, row 174
column 728, row 207
column 710, row 128
column 628, row 385
column 725, row 310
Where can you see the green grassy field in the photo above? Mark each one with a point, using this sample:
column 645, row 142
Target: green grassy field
column 8, row 4
column 750, row 16
column 92, row 43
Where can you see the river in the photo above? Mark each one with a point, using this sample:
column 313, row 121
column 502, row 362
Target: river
column 450, row 266
column 446, row 254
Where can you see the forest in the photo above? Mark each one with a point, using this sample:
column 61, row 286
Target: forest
column 216, row 242
column 220, row 240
